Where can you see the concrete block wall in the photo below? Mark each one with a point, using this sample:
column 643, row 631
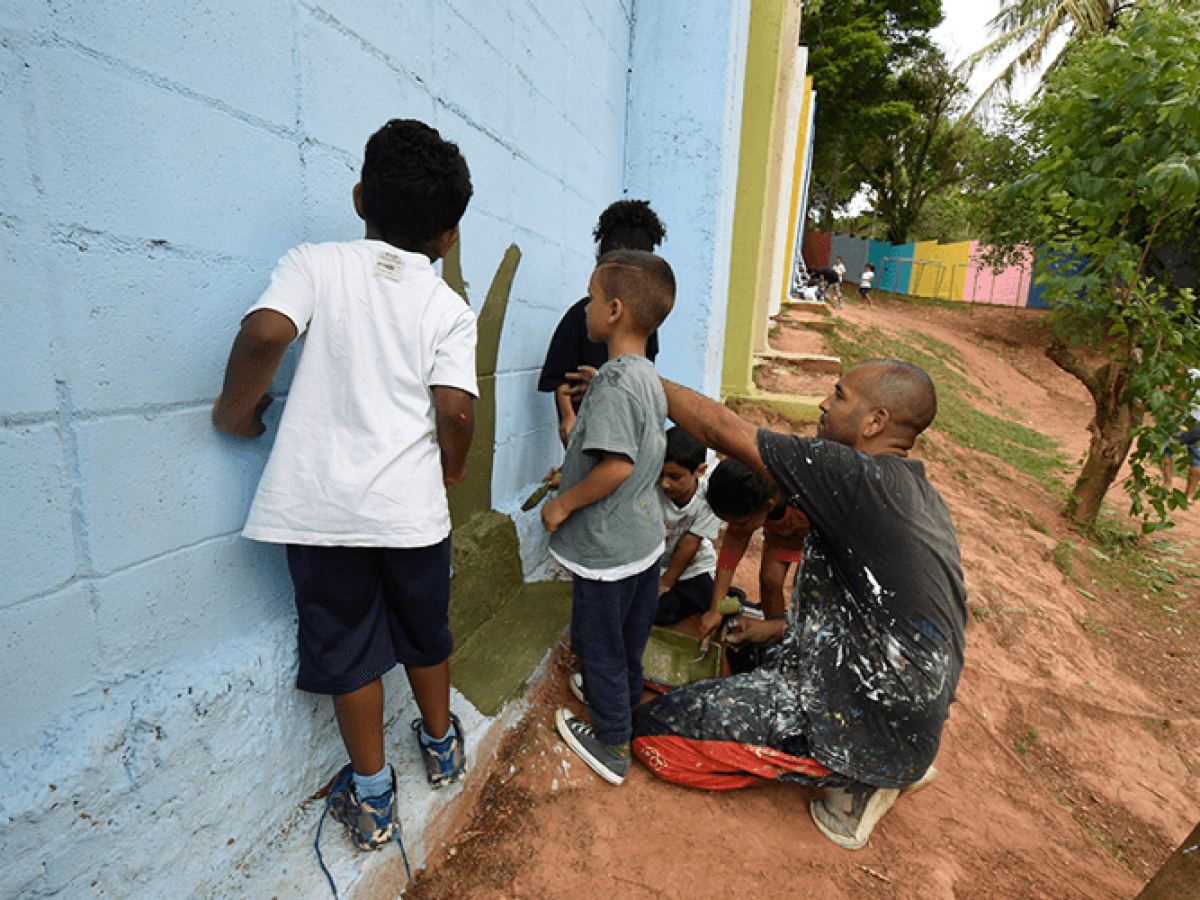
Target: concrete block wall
column 685, row 113
column 157, row 162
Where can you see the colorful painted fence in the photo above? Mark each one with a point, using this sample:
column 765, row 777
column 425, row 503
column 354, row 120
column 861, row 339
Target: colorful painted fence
column 925, row 269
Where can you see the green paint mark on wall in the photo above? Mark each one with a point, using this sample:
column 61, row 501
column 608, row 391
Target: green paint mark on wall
column 502, row 627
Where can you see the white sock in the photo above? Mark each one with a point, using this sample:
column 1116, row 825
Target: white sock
column 373, row 785
column 427, row 738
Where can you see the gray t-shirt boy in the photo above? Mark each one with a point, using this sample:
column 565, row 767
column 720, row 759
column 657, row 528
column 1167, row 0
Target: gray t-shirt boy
column 624, row 412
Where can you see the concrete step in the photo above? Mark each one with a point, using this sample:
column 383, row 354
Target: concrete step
column 808, row 306
column 794, row 406
column 805, row 362
column 821, row 325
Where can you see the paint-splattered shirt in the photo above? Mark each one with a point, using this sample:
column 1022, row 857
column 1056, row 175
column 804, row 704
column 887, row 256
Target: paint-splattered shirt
column 874, row 638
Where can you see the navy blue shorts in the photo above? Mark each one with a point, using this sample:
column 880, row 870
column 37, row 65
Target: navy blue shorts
column 688, row 597
column 364, row 609
column 1191, row 440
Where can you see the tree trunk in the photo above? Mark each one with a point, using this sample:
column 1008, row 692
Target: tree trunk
column 1179, row 877
column 1112, row 435
column 1112, row 430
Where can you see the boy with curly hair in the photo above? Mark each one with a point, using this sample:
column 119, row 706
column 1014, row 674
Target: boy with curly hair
column 572, row 357
column 378, row 421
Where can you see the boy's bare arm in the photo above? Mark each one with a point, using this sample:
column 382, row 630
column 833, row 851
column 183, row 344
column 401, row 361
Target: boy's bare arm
column 257, row 352
column 685, row 552
column 454, row 411
column 608, row 475
column 715, row 425
column 566, row 412
column 733, row 548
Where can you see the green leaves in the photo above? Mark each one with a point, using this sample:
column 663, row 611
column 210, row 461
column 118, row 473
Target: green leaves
column 1112, row 194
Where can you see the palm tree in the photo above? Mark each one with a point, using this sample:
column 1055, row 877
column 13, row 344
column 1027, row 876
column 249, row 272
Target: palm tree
column 1031, row 27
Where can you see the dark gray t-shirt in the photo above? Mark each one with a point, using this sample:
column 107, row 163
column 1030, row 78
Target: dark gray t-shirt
column 874, row 640
column 624, row 412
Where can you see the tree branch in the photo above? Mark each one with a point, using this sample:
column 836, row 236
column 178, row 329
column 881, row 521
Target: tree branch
column 1061, row 356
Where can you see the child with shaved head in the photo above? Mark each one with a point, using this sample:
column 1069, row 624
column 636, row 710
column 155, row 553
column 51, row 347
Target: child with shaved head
column 606, row 523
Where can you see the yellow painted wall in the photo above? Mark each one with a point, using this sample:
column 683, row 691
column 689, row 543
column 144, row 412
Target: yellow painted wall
column 771, row 49
column 945, row 282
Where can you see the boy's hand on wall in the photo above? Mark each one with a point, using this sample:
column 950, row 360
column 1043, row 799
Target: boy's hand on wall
column 247, row 428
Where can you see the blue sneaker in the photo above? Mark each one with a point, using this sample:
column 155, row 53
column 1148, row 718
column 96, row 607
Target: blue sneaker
column 371, row 821
column 445, row 760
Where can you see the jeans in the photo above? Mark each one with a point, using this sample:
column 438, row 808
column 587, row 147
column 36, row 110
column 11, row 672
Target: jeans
column 610, row 624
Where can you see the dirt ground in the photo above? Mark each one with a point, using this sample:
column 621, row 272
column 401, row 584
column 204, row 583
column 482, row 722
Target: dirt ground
column 1070, row 765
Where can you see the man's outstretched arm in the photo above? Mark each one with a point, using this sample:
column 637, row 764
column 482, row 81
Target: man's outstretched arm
column 714, row 425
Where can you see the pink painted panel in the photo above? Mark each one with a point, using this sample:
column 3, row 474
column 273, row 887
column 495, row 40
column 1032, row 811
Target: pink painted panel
column 1006, row 287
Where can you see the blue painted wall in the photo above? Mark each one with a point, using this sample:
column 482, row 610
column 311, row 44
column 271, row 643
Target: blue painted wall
column 893, row 271
column 853, row 251
column 158, row 159
column 685, row 112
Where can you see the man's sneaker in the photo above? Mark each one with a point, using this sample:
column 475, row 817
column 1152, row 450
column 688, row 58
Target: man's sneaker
column 847, row 815
column 445, row 760
column 370, row 821
column 930, row 774
column 576, row 683
column 605, row 760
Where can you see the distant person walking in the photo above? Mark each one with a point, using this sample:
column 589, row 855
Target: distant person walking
column 865, row 282
column 840, row 268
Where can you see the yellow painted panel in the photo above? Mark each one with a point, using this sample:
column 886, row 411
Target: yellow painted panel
column 798, row 177
column 940, row 270
column 770, row 51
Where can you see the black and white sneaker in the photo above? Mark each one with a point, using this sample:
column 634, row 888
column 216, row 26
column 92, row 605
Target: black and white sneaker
column 606, row 760
column 576, row 683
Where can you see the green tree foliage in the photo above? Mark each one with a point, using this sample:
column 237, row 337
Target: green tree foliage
column 1112, row 195
column 856, row 49
column 922, row 158
column 993, row 153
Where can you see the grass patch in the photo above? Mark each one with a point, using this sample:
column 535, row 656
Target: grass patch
column 1102, row 839
column 1062, row 556
column 1012, row 443
column 1026, row 741
column 1093, row 624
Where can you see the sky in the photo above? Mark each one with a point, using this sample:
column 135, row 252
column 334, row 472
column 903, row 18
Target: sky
column 963, row 31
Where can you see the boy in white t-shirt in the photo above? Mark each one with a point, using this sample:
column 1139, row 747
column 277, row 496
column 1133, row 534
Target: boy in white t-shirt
column 378, row 420
column 865, row 282
column 689, row 563
column 840, row 268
